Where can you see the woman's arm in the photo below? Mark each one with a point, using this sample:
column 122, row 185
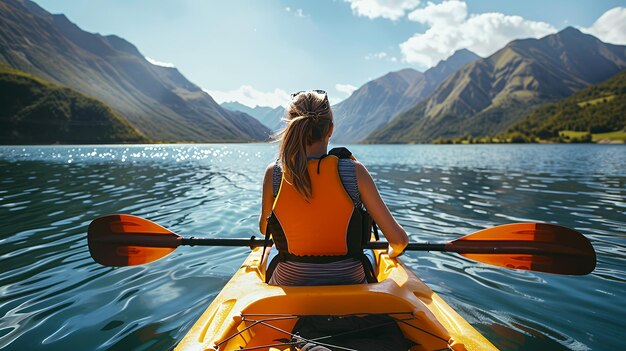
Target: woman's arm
column 393, row 231
column 267, row 199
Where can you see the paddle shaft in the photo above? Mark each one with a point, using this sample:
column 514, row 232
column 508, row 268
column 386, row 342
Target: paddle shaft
column 458, row 246
column 463, row 247
column 254, row 242
column 251, row 242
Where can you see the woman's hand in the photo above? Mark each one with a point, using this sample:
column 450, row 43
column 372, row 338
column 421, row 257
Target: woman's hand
column 393, row 252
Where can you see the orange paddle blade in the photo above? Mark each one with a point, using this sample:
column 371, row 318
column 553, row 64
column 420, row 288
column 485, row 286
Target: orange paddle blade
column 125, row 240
column 538, row 247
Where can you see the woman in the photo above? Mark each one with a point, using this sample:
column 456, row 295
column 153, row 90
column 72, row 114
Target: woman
column 313, row 203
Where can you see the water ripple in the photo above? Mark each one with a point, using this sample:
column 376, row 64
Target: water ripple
column 53, row 295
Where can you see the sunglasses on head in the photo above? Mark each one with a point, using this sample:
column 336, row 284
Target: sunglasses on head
column 293, row 95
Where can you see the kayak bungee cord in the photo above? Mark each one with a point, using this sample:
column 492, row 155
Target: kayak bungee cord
column 254, row 323
column 298, row 341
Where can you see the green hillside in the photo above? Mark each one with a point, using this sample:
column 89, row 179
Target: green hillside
column 599, row 111
column 33, row 111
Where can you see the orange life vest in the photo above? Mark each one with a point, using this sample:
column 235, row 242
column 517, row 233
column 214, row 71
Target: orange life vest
column 325, row 228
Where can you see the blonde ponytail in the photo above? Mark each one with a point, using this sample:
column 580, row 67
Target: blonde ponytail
column 309, row 118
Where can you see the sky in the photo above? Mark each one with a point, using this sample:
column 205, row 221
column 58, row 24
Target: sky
column 259, row 51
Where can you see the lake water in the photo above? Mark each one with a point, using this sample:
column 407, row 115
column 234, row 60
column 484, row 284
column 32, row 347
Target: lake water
column 54, row 297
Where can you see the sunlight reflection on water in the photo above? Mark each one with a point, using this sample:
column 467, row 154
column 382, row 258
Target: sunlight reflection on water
column 53, row 294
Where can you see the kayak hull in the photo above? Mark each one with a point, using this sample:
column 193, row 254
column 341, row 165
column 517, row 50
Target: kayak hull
column 249, row 314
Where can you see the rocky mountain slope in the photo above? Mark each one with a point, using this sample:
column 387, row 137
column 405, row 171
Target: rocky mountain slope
column 490, row 95
column 157, row 101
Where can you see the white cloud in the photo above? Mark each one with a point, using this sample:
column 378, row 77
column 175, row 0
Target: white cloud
column 376, row 56
column 446, row 13
column 610, row 27
column 251, row 97
column 297, row 12
column 390, row 9
column 159, row 63
column 347, row 89
column 381, row 56
column 453, row 28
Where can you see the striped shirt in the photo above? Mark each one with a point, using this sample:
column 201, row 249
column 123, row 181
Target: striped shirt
column 348, row 271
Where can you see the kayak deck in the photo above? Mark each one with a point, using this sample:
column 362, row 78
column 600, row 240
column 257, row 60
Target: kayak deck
column 251, row 315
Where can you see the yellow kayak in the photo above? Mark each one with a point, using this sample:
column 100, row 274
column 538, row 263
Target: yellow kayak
column 249, row 314
column 399, row 312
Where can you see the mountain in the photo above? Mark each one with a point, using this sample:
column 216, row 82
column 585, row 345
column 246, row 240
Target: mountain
column 269, row 117
column 374, row 104
column 597, row 109
column 158, row 101
column 33, row 111
column 490, row 95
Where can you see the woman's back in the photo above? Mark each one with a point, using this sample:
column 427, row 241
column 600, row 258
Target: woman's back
column 317, row 221
column 346, row 271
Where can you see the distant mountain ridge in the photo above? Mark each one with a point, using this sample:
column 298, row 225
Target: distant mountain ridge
column 33, row 111
column 374, row 104
column 158, row 101
column 268, row 116
column 488, row 96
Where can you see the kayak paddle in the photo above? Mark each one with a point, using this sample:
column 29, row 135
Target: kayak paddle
column 126, row 240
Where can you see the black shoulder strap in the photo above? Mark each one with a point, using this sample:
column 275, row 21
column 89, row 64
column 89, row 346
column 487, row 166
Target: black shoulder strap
column 340, row 152
column 343, row 152
column 277, row 176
